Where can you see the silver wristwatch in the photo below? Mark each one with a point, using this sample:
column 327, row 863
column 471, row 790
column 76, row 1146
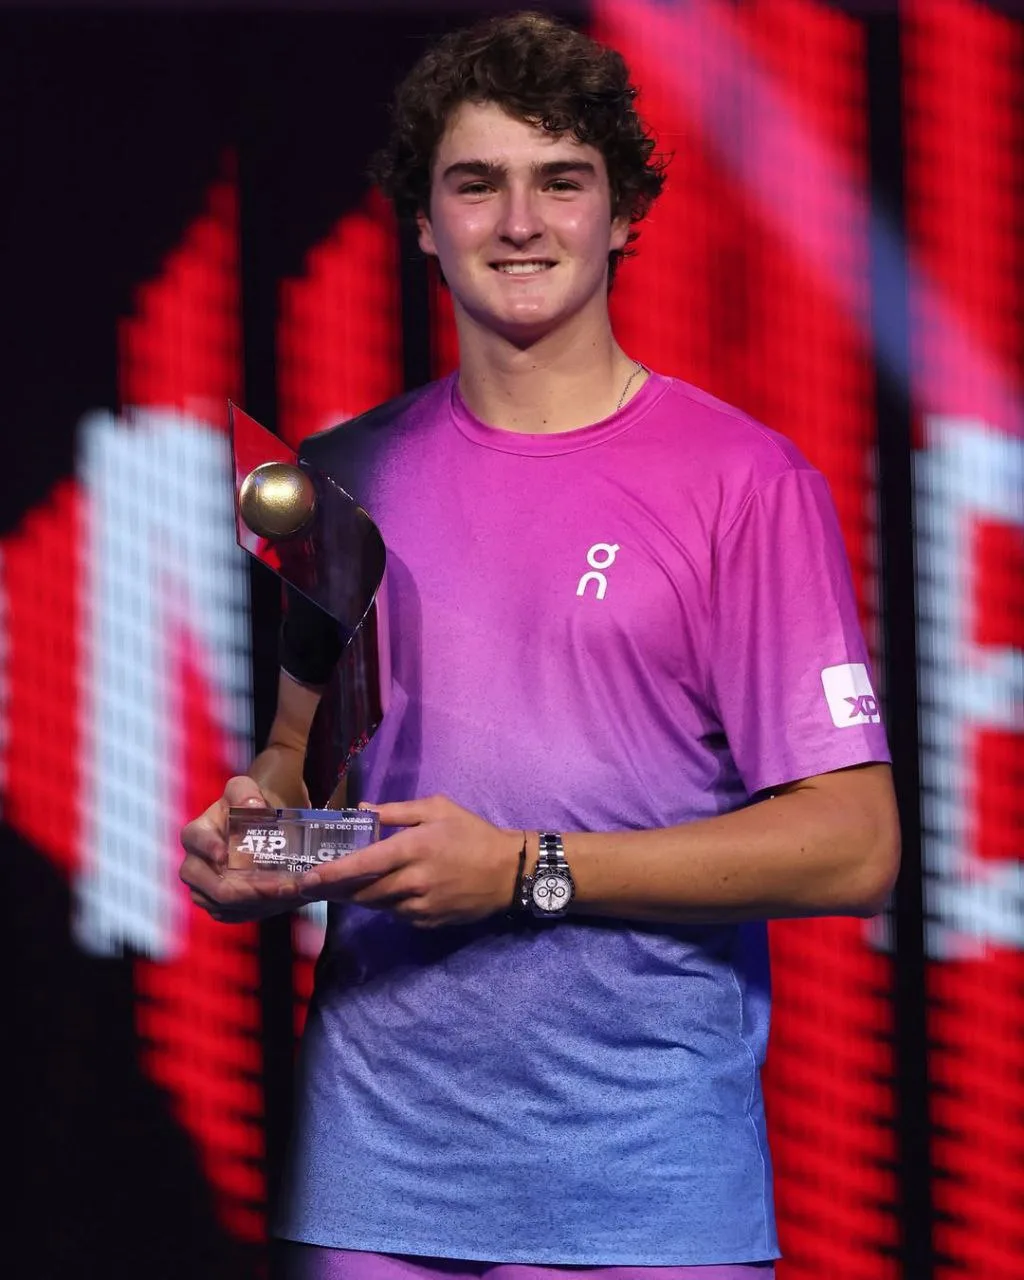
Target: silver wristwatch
column 549, row 891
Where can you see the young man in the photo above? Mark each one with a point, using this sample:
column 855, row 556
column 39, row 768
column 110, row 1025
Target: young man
column 624, row 636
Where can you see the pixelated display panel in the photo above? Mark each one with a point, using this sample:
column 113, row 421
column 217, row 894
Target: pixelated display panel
column 339, row 344
column 751, row 282
column 760, row 296
column 198, row 1015
column 41, row 745
column 339, row 335
column 181, row 346
column 963, row 136
column 963, row 67
column 198, row 1006
column 996, row 801
column 444, row 343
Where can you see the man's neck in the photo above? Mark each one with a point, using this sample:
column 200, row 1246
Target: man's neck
column 559, row 383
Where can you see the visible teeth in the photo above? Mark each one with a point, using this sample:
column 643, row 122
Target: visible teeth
column 522, row 268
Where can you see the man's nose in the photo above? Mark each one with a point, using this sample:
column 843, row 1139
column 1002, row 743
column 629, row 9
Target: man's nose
column 521, row 219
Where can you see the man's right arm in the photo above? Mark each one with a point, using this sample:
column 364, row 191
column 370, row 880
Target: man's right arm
column 278, row 769
column 275, row 780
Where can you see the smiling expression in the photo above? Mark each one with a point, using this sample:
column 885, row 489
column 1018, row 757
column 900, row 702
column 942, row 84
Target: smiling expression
column 520, row 221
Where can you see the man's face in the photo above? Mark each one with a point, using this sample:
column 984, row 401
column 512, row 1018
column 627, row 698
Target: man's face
column 520, row 221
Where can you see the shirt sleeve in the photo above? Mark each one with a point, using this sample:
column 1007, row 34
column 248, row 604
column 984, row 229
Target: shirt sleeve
column 310, row 642
column 790, row 675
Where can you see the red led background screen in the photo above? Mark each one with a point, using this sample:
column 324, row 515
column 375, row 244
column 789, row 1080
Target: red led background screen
column 130, row 626
column 964, row 66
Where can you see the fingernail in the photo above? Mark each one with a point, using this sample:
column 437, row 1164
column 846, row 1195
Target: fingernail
column 365, row 804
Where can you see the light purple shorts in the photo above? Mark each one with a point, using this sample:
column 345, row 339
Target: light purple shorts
column 309, row 1262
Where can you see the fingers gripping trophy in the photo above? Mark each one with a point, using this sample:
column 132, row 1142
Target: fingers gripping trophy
column 303, row 526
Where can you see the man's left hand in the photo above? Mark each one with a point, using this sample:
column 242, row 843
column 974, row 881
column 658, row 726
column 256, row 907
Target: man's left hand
column 447, row 866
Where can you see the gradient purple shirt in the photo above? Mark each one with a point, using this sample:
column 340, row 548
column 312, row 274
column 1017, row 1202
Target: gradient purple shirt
column 628, row 626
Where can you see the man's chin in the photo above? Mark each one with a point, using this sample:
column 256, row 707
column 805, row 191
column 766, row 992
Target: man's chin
column 521, row 327
column 523, row 330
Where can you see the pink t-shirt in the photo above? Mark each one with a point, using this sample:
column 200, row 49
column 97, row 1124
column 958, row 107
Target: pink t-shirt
column 633, row 625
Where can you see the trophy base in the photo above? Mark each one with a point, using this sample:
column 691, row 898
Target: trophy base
column 296, row 840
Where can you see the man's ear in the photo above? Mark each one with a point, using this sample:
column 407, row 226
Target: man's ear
column 425, row 234
column 620, row 233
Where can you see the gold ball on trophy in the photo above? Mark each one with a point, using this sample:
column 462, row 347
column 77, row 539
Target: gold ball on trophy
column 276, row 500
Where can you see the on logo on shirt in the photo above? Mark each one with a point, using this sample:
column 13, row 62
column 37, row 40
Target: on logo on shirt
column 849, row 695
column 607, row 552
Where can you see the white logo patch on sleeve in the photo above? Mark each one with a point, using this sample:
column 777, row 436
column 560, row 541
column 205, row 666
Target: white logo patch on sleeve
column 849, row 695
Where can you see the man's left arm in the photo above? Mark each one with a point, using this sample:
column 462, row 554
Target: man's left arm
column 826, row 845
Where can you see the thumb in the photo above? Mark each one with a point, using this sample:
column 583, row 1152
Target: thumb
column 244, row 792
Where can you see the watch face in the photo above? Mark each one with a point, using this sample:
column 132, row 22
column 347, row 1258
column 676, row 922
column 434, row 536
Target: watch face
column 552, row 891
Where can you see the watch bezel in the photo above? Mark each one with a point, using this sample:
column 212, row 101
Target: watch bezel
column 558, row 873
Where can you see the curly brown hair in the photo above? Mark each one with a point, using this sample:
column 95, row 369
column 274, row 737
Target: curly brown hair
column 540, row 71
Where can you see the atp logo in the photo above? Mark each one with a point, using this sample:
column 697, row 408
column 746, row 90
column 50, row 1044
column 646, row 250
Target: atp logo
column 600, row 556
column 260, row 842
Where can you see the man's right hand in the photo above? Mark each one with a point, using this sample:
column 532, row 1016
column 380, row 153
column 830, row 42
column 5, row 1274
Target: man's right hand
column 231, row 898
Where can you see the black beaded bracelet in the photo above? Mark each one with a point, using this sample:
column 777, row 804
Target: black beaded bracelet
column 517, row 893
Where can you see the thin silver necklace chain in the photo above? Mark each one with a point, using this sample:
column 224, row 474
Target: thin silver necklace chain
column 637, row 368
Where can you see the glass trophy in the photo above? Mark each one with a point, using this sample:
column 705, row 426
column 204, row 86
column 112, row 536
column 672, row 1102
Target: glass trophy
column 295, row 840
column 314, row 536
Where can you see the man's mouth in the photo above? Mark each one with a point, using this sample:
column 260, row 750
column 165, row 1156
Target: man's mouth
column 521, row 268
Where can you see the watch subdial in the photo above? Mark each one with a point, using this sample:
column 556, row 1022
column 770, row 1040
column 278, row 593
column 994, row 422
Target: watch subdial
column 551, row 892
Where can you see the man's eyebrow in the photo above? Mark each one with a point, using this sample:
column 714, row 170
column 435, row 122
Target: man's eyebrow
column 474, row 169
column 495, row 172
column 552, row 168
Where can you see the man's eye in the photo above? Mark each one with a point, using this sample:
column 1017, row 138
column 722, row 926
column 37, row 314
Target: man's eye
column 563, row 184
column 473, row 188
